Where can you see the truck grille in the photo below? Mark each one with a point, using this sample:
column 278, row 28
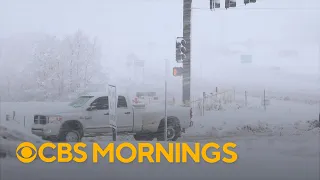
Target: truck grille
column 40, row 119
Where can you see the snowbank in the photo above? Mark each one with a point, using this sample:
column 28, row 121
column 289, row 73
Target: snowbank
column 10, row 138
column 236, row 119
column 258, row 128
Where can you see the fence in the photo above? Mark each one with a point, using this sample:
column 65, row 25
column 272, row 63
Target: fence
column 212, row 101
column 261, row 100
column 12, row 118
column 265, row 98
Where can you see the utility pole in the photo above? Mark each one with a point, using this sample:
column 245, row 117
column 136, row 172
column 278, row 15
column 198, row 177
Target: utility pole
column 319, row 59
column 165, row 133
column 319, row 75
column 186, row 78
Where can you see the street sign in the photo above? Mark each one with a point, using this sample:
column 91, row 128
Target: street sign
column 133, row 60
column 112, row 99
column 139, row 63
column 246, row 59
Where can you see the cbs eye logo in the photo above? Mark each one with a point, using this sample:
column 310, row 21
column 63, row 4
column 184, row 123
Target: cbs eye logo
column 28, row 152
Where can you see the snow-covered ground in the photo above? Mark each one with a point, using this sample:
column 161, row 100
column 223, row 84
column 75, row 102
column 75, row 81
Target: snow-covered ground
column 280, row 117
column 277, row 143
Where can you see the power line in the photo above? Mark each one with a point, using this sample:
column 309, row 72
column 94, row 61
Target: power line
column 247, row 7
column 236, row 8
column 268, row 8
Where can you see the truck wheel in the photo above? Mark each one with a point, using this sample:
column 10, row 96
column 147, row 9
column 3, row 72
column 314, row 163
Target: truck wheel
column 71, row 136
column 173, row 131
column 71, row 131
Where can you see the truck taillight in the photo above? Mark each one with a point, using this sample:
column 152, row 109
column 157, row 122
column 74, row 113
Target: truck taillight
column 190, row 113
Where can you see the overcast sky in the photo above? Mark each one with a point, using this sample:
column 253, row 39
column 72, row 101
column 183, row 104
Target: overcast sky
column 149, row 28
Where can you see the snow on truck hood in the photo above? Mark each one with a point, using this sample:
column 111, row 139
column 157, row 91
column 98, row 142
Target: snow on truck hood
column 65, row 110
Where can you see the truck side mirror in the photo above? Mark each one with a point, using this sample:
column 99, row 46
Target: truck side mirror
column 91, row 108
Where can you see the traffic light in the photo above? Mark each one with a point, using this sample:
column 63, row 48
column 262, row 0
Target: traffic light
column 214, row 4
column 249, row 1
column 177, row 71
column 181, row 49
column 230, row 3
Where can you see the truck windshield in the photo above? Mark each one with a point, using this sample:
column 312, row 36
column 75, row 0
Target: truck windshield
column 80, row 101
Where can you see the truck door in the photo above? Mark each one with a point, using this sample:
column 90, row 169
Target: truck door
column 125, row 115
column 99, row 116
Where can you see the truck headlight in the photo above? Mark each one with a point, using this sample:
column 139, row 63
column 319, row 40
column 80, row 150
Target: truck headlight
column 55, row 119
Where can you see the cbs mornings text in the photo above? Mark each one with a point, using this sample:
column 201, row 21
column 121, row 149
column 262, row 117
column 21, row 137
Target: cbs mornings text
column 210, row 152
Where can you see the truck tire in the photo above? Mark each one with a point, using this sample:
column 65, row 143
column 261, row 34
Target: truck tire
column 143, row 137
column 70, row 136
column 71, row 131
column 173, row 130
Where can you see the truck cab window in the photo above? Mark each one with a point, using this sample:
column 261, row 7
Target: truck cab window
column 101, row 103
column 122, row 102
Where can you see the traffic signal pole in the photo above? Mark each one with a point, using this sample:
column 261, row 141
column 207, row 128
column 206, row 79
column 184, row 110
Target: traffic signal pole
column 186, row 56
column 165, row 103
column 186, row 77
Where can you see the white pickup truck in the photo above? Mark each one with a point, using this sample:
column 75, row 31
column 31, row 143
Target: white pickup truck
column 88, row 116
